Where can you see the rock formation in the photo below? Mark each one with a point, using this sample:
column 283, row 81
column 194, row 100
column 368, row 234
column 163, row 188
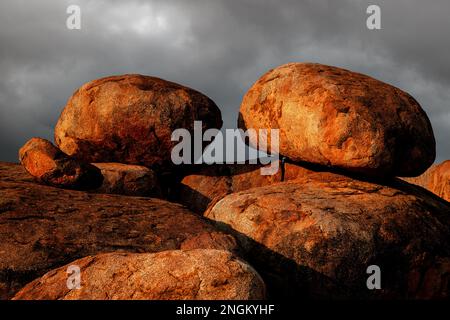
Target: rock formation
column 312, row 230
column 42, row 227
column 211, row 183
column 315, row 237
column 335, row 117
column 127, row 179
column 436, row 179
column 130, row 119
column 170, row 275
column 51, row 166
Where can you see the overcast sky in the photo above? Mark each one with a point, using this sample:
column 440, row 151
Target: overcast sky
column 217, row 47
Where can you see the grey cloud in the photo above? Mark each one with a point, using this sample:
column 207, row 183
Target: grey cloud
column 218, row 47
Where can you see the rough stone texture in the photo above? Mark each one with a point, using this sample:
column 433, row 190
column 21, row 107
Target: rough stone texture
column 13, row 172
column 43, row 227
column 316, row 236
column 211, row 183
column 130, row 119
column 50, row 165
column 127, row 179
column 335, row 117
column 170, row 275
column 436, row 179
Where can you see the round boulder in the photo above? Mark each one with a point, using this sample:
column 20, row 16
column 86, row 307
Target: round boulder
column 169, row 275
column 130, row 119
column 49, row 165
column 335, row 117
column 317, row 236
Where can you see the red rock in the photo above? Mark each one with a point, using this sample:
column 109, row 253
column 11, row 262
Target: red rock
column 335, row 117
column 169, row 275
column 211, row 183
column 127, row 179
column 50, row 165
column 130, row 119
column 436, row 179
column 198, row 190
column 42, row 227
column 316, row 236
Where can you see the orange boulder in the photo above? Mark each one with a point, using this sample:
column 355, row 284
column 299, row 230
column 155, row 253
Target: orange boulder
column 50, row 165
column 316, row 236
column 436, row 179
column 43, row 227
column 335, row 117
column 130, row 119
column 169, row 275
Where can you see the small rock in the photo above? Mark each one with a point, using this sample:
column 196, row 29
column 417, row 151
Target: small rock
column 127, row 179
column 50, row 165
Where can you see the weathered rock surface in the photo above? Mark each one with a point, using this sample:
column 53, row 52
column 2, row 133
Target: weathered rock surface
column 128, row 179
column 211, row 183
column 130, row 119
column 50, row 165
column 169, row 275
column 317, row 235
column 42, row 227
column 436, row 179
column 335, row 117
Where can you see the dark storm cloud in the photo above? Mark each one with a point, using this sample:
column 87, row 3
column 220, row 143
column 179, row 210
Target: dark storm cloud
column 217, row 47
